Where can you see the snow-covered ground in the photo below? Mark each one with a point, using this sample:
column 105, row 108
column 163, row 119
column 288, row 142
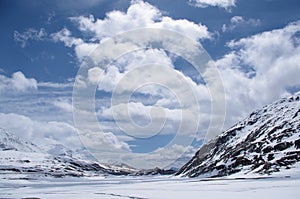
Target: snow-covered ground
column 151, row 187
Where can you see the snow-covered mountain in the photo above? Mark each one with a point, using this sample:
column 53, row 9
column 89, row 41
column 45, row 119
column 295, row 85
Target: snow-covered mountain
column 22, row 157
column 267, row 141
column 26, row 160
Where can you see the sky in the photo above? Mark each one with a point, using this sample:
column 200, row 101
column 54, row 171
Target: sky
column 148, row 101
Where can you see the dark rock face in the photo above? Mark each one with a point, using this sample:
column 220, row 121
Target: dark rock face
column 155, row 171
column 266, row 141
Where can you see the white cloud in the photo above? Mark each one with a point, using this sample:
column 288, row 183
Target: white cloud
column 176, row 96
column 139, row 15
column 227, row 4
column 113, row 141
column 106, row 142
column 84, row 49
column 44, row 134
column 111, row 76
column 260, row 69
column 47, row 134
column 144, row 115
column 239, row 21
column 174, row 153
column 18, row 83
column 55, row 85
column 64, row 105
column 29, row 34
column 64, row 36
column 94, row 74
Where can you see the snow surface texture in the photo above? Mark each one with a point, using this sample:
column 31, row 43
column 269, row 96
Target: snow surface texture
column 153, row 187
column 267, row 141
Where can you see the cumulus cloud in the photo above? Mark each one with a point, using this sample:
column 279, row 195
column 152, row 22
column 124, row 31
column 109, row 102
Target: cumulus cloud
column 139, row 15
column 260, row 69
column 227, row 4
column 44, row 134
column 30, row 34
column 17, row 83
column 105, row 141
column 239, row 21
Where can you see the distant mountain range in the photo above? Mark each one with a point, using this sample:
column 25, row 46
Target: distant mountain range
column 267, row 141
column 25, row 159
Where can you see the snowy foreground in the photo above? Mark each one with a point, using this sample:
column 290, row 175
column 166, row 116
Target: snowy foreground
column 151, row 187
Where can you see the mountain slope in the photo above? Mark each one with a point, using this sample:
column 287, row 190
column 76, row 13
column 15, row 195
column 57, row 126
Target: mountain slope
column 267, row 141
column 11, row 142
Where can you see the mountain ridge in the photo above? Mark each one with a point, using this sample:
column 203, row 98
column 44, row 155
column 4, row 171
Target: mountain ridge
column 266, row 141
column 23, row 157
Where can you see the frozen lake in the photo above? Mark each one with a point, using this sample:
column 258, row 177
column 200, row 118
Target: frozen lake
column 151, row 187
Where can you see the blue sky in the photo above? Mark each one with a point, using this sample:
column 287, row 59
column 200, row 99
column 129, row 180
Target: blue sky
column 254, row 44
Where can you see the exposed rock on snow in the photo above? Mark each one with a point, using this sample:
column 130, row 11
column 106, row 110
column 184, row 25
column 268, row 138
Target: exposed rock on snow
column 267, row 141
